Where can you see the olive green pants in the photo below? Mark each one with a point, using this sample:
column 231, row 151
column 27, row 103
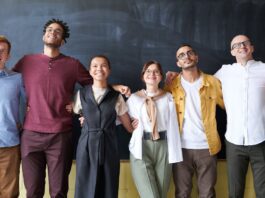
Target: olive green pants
column 152, row 174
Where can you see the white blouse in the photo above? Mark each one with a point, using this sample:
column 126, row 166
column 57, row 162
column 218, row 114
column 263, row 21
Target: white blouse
column 166, row 120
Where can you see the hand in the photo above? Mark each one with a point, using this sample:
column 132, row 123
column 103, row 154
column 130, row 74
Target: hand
column 134, row 123
column 124, row 90
column 69, row 107
column 19, row 127
column 170, row 75
column 81, row 120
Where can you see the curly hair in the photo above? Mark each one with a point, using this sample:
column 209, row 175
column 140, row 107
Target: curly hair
column 66, row 30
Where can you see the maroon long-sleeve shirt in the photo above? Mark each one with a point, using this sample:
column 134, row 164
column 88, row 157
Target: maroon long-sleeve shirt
column 49, row 84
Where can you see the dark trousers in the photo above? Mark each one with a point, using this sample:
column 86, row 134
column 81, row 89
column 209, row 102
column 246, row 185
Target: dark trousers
column 238, row 159
column 200, row 162
column 53, row 149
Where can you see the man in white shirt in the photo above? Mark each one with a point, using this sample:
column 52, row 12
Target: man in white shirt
column 243, row 86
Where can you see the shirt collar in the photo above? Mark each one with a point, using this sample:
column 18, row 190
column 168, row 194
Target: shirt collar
column 202, row 75
column 249, row 63
column 6, row 71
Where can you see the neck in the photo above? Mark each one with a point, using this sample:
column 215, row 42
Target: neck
column 191, row 74
column 100, row 84
column 2, row 67
column 152, row 88
column 244, row 62
column 51, row 52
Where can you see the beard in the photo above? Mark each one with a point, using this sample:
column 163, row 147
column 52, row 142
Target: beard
column 189, row 67
column 53, row 45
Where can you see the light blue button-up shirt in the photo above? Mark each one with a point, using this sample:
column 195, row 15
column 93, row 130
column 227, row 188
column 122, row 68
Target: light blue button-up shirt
column 11, row 93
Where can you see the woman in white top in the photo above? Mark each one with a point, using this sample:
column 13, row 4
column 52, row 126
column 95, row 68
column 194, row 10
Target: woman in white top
column 155, row 143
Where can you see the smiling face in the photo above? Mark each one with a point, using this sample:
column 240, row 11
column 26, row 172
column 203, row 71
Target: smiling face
column 53, row 36
column 4, row 54
column 152, row 75
column 186, row 57
column 241, row 48
column 99, row 69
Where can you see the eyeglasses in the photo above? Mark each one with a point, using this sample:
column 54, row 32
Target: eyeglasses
column 183, row 55
column 2, row 51
column 241, row 44
column 155, row 72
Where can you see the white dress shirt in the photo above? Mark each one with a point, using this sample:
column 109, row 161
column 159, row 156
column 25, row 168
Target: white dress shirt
column 244, row 97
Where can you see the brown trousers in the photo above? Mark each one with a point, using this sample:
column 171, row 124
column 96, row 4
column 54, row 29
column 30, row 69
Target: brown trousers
column 9, row 171
column 200, row 162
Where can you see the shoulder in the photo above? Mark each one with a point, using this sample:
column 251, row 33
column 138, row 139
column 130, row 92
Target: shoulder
column 210, row 78
column 84, row 89
column 168, row 96
column 13, row 74
column 259, row 63
column 70, row 59
column 175, row 82
column 135, row 98
column 32, row 56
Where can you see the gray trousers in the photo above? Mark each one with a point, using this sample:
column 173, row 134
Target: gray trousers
column 200, row 162
column 238, row 158
column 152, row 174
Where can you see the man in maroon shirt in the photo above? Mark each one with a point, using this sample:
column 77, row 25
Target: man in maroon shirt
column 49, row 80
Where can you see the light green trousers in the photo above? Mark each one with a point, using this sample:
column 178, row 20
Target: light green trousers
column 152, row 174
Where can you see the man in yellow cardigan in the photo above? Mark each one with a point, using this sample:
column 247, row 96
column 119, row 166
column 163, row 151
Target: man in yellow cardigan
column 196, row 96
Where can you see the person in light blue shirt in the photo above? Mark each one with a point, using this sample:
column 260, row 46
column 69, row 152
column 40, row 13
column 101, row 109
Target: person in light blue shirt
column 11, row 93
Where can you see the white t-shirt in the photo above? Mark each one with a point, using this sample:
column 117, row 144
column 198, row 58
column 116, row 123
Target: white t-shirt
column 193, row 135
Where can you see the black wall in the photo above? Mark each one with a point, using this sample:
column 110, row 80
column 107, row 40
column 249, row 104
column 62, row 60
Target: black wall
column 130, row 32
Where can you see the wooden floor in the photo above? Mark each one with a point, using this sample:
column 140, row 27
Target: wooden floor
column 128, row 190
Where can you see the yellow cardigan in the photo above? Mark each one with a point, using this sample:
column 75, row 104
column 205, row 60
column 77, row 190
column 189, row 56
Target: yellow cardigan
column 210, row 95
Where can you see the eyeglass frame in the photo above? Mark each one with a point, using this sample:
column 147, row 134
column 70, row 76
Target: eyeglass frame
column 183, row 55
column 240, row 44
column 156, row 72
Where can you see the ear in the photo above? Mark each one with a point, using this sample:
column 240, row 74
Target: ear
column 197, row 59
column 177, row 63
column 233, row 52
column 252, row 49
column 8, row 56
column 62, row 43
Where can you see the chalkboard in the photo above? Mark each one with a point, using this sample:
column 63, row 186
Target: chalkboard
column 130, row 32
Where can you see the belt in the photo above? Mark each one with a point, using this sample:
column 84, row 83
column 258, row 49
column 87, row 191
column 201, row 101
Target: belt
column 148, row 135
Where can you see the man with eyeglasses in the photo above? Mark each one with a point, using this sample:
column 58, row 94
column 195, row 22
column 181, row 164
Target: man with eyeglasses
column 243, row 86
column 11, row 96
column 196, row 95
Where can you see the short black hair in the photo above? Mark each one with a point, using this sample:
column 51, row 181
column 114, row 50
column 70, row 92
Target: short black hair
column 186, row 45
column 66, row 30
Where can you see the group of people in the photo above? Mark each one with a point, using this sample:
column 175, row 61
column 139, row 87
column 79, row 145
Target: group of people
column 173, row 128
